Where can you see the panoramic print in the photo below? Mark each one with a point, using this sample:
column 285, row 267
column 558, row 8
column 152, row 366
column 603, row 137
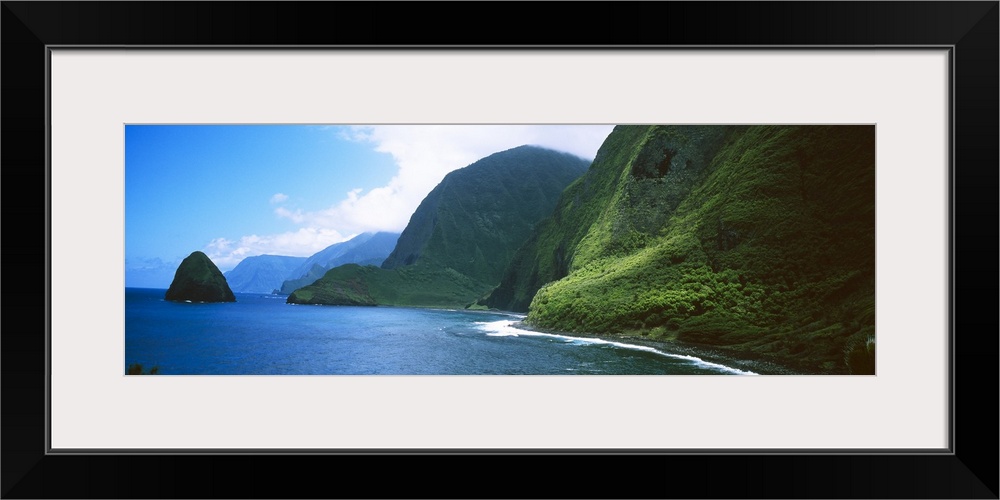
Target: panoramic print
column 499, row 250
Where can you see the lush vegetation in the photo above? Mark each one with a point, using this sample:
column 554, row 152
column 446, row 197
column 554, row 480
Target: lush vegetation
column 757, row 239
column 198, row 280
column 461, row 238
column 415, row 285
column 364, row 249
column 555, row 244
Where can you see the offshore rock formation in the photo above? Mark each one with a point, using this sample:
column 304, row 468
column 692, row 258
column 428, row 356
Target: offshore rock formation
column 198, row 280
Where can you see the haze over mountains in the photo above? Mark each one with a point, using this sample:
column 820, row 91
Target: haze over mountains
column 366, row 249
column 753, row 240
column 459, row 240
column 262, row 273
column 270, row 273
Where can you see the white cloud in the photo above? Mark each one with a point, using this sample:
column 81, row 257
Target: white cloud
column 423, row 154
column 297, row 216
column 227, row 253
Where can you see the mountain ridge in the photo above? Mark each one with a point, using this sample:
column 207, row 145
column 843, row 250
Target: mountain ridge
column 461, row 236
column 757, row 239
column 261, row 273
column 368, row 248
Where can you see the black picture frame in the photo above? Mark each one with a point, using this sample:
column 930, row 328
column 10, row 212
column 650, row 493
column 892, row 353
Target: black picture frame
column 970, row 29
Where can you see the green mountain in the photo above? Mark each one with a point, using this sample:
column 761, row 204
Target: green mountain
column 198, row 280
column 759, row 240
column 462, row 235
column 364, row 249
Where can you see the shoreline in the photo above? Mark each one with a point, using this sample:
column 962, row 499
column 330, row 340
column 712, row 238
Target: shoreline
column 729, row 358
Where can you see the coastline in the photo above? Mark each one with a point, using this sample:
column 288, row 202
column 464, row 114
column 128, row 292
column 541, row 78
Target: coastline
column 729, row 357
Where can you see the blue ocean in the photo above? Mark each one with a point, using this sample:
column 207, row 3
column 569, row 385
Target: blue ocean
column 262, row 335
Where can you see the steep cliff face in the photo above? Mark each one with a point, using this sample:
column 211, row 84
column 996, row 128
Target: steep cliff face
column 664, row 164
column 198, row 280
column 478, row 216
column 261, row 273
column 462, row 236
column 365, row 249
column 759, row 239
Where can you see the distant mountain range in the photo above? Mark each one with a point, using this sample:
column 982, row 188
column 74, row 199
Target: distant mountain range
column 364, row 249
column 755, row 240
column 462, row 236
column 262, row 273
column 270, row 273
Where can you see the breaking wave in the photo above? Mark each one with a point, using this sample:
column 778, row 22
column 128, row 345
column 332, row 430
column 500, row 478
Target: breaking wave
column 506, row 328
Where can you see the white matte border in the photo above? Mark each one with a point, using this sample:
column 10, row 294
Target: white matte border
column 95, row 92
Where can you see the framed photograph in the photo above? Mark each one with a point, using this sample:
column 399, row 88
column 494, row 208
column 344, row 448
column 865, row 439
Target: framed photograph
column 159, row 130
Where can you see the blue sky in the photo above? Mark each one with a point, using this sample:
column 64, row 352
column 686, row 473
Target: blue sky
column 234, row 191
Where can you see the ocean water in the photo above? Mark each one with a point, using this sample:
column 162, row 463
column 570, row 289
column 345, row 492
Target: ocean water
column 261, row 335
